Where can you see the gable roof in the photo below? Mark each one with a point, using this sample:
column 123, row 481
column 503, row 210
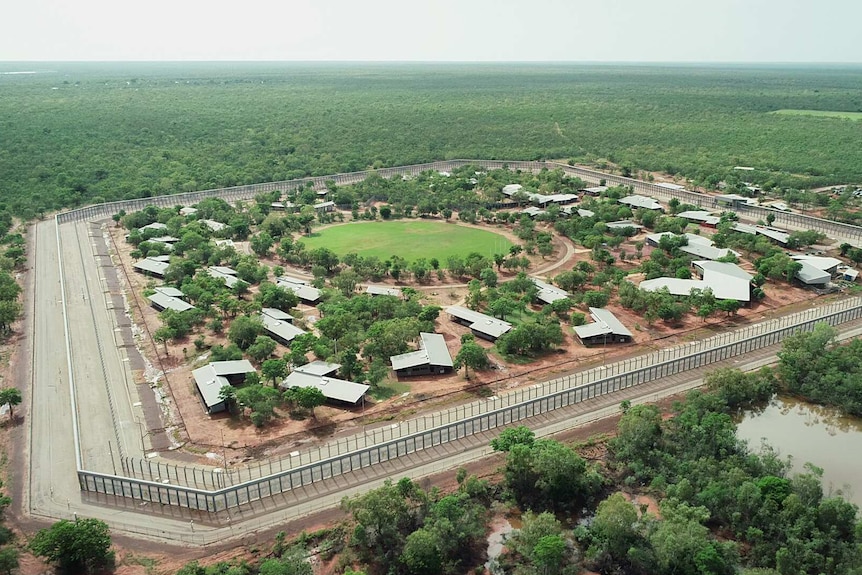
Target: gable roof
column 622, row 224
column 214, row 225
column 820, row 262
column 209, row 385
column 318, row 367
column 727, row 281
column 433, row 351
column 276, row 314
column 152, row 266
column 479, row 321
column 699, row 216
column 169, row 291
column 383, row 290
column 331, row 387
column 549, row 293
column 637, row 201
column 230, row 279
column 233, row 367
column 169, row 302
column 811, row 275
column 604, row 323
column 304, row 292
column 284, row 330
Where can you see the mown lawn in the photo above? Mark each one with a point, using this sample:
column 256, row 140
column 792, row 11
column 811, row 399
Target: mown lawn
column 410, row 240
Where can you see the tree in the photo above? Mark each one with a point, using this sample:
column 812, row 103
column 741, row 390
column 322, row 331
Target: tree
column 262, row 348
column 244, row 330
column 471, row 355
column 274, row 369
column 309, row 398
column 10, row 310
column 421, row 554
column 520, row 435
column 549, row 553
column 228, row 395
column 8, row 559
column 163, row 335
column 10, row 396
column 81, row 546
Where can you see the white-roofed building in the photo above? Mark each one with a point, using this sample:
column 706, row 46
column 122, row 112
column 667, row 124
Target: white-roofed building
column 211, row 378
column 319, row 374
column 383, row 290
column 481, row 325
column 188, row 211
column 226, row 274
column 827, row 264
column 151, row 267
column 707, row 219
column 155, row 226
column 161, row 301
column 640, row 202
column 432, row 357
column 549, row 293
column 595, row 190
column 213, row 225
column 281, row 330
column 811, row 275
column 605, row 328
column 726, row 280
column 307, row 294
column 623, row 224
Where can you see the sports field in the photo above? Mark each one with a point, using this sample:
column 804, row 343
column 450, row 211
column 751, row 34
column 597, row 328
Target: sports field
column 410, row 240
column 821, row 113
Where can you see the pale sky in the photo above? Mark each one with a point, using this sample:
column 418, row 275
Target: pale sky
column 438, row 30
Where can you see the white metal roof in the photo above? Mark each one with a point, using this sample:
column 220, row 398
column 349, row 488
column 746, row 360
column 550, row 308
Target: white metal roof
column 233, row 367
column 707, row 251
column 669, row 186
column 276, row 314
column 822, row 263
column 169, row 302
column 214, row 225
column 152, row 266
column 169, row 291
column 604, row 322
column 332, row 388
column 433, row 351
column 510, row 189
column 637, row 201
column 229, row 279
column 809, row 274
column 479, row 321
column 209, row 384
column 284, row 330
column 318, row 367
column 154, row 226
column 383, row 290
column 549, row 293
column 723, row 268
column 304, row 292
column 622, row 224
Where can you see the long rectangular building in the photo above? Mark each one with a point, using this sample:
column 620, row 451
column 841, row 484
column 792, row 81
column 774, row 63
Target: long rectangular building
column 481, row 325
column 432, row 357
column 605, row 328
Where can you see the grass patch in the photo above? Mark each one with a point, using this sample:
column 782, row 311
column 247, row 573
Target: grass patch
column 384, row 391
column 410, row 240
column 820, row 113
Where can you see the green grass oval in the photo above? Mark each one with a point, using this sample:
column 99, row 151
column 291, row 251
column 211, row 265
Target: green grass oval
column 410, row 240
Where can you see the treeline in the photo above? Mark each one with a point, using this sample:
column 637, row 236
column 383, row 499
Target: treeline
column 99, row 133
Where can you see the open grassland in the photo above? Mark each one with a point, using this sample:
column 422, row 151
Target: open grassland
column 409, row 240
column 83, row 133
column 822, row 114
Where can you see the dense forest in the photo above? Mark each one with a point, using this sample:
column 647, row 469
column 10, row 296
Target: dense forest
column 83, row 133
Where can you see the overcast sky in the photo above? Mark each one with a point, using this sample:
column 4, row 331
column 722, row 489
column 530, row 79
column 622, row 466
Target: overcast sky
column 434, row 30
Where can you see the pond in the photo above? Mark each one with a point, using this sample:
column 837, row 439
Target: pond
column 811, row 433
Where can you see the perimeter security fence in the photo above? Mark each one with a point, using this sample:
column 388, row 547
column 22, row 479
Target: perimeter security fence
column 477, row 417
column 216, row 490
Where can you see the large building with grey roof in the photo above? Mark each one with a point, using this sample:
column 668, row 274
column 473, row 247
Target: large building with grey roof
column 278, row 326
column 432, row 357
column 151, row 267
